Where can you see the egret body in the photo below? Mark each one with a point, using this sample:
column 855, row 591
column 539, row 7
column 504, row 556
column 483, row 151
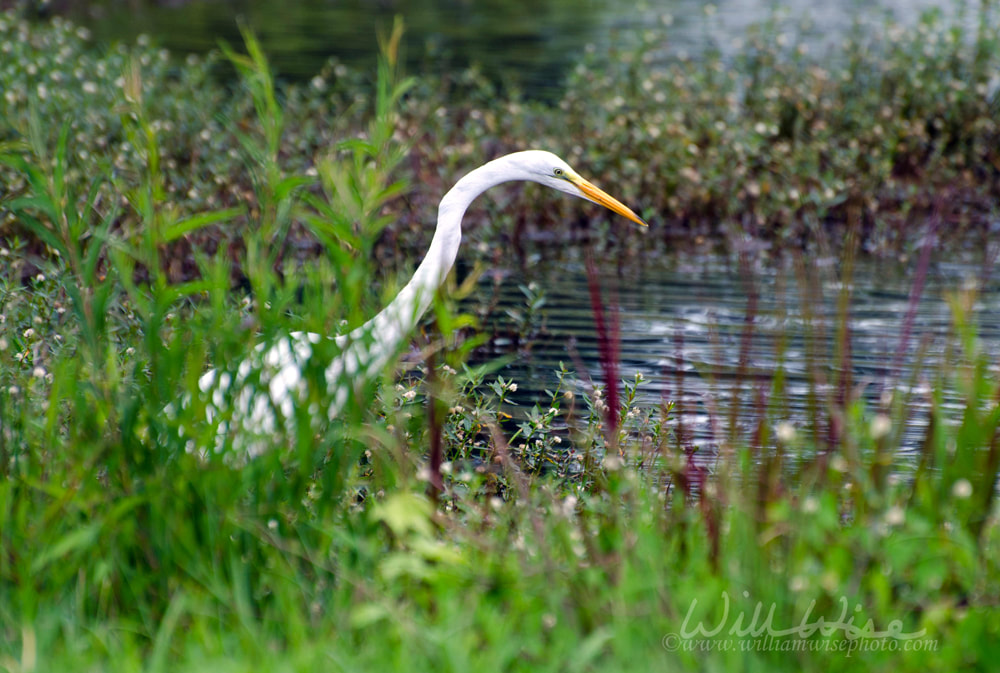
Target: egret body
column 368, row 349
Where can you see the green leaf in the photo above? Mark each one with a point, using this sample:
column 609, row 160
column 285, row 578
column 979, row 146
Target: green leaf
column 590, row 649
column 399, row 565
column 72, row 541
column 368, row 614
column 39, row 203
column 358, row 145
column 406, row 512
column 189, row 224
column 291, row 184
column 43, row 232
column 59, row 174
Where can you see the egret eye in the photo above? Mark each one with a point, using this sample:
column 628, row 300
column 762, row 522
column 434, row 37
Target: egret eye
column 559, row 173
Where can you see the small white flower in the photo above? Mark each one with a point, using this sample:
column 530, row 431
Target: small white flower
column 895, row 515
column 89, row 87
column 880, row 426
column 410, row 394
column 961, row 489
column 810, row 505
column 785, row 432
column 613, row 463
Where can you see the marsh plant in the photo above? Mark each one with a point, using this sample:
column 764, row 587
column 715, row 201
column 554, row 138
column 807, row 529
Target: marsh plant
column 771, row 140
column 438, row 524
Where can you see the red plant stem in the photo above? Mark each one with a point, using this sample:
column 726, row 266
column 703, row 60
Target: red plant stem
column 607, row 346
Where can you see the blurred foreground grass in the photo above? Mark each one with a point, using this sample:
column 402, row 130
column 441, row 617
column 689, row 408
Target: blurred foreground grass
column 127, row 542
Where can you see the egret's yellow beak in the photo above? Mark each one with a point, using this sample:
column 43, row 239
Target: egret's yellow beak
column 597, row 195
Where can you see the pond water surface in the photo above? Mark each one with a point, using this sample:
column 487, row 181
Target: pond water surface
column 712, row 333
column 528, row 43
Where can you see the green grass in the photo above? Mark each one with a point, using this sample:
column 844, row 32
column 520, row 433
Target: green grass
column 127, row 542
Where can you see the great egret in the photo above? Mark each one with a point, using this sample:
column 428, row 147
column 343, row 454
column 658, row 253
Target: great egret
column 365, row 351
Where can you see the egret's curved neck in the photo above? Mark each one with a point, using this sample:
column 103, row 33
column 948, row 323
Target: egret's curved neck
column 369, row 347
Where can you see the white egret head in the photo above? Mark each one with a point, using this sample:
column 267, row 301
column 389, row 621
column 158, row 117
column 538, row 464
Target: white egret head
column 547, row 169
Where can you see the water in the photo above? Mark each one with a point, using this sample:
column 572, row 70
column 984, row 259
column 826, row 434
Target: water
column 683, row 327
column 529, row 44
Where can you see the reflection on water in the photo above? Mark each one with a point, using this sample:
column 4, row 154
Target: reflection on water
column 712, row 337
column 530, row 43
